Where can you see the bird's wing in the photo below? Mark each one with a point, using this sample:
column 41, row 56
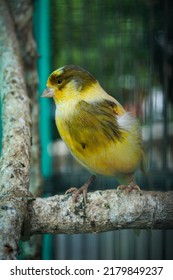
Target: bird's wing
column 96, row 121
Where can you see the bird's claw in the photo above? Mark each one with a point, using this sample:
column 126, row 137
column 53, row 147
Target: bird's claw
column 129, row 188
column 76, row 192
column 83, row 189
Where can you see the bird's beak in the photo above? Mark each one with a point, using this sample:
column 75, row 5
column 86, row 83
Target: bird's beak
column 48, row 92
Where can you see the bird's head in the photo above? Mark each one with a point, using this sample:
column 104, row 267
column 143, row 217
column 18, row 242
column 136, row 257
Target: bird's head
column 68, row 82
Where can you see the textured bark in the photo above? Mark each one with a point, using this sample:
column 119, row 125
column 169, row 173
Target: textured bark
column 16, row 124
column 22, row 14
column 105, row 211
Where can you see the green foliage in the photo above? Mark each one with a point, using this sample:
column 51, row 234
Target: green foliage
column 106, row 37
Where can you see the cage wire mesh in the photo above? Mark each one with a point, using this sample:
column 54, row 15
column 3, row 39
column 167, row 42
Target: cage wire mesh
column 127, row 45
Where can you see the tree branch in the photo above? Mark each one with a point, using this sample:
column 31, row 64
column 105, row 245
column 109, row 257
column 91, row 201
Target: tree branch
column 22, row 14
column 15, row 160
column 105, row 211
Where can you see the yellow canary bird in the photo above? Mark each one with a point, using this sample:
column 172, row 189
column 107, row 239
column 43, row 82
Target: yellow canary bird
column 98, row 131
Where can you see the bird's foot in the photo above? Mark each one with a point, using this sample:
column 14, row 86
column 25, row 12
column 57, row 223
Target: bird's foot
column 129, row 188
column 83, row 189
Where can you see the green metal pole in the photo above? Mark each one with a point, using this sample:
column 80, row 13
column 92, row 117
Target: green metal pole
column 42, row 32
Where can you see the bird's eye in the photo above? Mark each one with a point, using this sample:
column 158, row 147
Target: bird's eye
column 59, row 81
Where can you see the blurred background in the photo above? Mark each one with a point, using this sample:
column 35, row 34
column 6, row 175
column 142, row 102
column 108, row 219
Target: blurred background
column 128, row 46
